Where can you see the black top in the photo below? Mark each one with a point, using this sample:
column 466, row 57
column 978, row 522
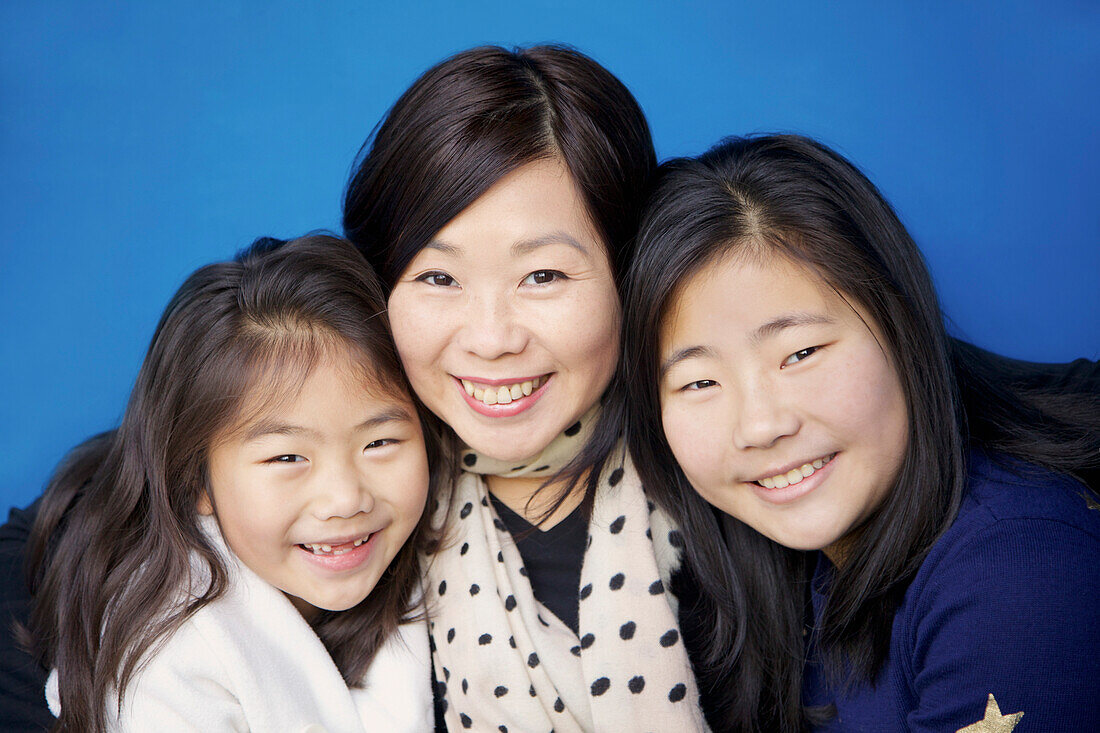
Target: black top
column 22, row 681
column 553, row 559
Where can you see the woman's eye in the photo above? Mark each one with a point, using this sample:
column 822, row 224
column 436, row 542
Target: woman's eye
column 698, row 385
column 286, row 458
column 440, row 279
column 380, row 443
column 799, row 356
column 542, row 277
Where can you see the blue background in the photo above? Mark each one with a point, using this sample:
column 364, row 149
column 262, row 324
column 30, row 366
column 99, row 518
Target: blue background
column 141, row 140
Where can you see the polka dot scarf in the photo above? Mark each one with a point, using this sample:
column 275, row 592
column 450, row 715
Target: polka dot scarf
column 504, row 662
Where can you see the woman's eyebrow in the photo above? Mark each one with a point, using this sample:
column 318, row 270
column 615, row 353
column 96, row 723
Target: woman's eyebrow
column 526, row 246
column 689, row 352
column 785, row 321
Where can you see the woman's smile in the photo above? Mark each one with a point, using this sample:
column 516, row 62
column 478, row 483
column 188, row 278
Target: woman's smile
column 511, row 311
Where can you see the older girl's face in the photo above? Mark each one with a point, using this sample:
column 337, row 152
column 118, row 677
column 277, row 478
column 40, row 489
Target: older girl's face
column 507, row 321
column 779, row 403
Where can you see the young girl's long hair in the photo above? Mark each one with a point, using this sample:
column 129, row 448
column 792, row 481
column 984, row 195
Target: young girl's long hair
column 791, row 197
column 119, row 524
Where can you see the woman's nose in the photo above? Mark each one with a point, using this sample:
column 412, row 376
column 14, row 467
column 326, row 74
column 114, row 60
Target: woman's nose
column 491, row 328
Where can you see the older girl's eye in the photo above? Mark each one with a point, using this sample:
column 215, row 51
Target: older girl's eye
column 799, row 356
column 440, row 279
column 286, row 458
column 543, row 277
column 698, row 385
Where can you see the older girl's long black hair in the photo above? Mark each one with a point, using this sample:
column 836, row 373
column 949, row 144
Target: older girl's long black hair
column 799, row 200
column 118, row 525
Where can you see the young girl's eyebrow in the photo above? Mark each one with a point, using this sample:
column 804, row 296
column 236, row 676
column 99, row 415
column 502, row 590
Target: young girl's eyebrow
column 275, row 427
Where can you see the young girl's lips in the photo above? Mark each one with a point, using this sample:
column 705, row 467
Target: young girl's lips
column 509, row 409
column 793, row 492
column 349, row 560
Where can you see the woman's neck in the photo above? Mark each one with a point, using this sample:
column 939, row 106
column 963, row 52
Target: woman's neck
column 517, row 493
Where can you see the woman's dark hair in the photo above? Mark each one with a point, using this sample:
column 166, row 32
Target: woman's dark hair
column 477, row 116
column 119, row 527
column 791, row 197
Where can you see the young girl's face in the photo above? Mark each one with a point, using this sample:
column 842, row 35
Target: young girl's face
column 779, row 403
column 317, row 495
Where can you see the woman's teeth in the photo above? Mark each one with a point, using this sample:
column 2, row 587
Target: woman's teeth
column 503, row 394
column 795, row 475
column 323, row 549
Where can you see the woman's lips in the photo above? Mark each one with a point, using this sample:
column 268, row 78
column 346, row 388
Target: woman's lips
column 502, row 398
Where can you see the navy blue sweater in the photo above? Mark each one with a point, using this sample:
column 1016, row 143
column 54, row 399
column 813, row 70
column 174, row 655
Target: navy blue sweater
column 1003, row 617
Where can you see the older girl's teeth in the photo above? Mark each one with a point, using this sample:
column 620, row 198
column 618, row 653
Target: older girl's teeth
column 795, row 475
column 359, row 542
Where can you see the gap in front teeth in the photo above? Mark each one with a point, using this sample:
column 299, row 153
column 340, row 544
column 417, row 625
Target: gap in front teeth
column 795, row 475
column 502, row 395
column 322, row 549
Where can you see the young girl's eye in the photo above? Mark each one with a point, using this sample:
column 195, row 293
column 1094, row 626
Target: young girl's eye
column 439, row 279
column 286, row 458
column 543, row 277
column 698, row 385
column 799, row 356
column 380, row 443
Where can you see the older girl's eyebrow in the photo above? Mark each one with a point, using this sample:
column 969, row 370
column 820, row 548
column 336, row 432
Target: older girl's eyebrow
column 788, row 320
column 689, row 352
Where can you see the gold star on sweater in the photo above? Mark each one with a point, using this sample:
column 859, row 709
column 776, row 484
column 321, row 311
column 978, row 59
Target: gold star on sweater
column 993, row 722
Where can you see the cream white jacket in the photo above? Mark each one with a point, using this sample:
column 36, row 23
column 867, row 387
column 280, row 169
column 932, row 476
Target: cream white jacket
column 249, row 662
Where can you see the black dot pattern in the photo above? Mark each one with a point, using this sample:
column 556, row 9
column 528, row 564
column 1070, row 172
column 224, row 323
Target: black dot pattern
column 628, row 637
column 600, row 686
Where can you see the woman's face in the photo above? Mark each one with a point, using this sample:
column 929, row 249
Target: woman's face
column 507, row 321
column 779, row 403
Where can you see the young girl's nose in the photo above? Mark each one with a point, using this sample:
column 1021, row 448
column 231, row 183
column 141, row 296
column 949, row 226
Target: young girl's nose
column 761, row 417
column 342, row 493
column 490, row 328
